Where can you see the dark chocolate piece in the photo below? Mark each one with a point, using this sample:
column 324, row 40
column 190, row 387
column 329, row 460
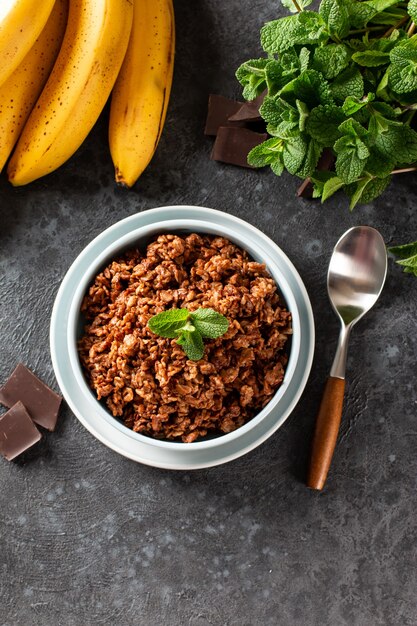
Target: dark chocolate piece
column 219, row 110
column 305, row 190
column 233, row 145
column 249, row 111
column 17, row 432
column 41, row 402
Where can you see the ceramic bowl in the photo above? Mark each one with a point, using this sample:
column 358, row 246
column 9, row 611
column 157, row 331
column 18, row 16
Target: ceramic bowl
column 67, row 322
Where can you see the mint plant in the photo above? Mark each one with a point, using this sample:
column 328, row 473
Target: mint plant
column 190, row 328
column 344, row 79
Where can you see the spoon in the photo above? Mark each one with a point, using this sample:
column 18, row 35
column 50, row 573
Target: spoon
column 355, row 279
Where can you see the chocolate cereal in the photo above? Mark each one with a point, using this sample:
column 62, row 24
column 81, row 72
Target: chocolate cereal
column 146, row 380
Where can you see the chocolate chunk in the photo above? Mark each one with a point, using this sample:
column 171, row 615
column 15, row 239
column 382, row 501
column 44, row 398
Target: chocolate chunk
column 249, row 111
column 233, row 145
column 41, row 402
column 219, row 110
column 17, row 432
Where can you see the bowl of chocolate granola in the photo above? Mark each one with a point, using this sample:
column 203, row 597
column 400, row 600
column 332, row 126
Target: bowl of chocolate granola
column 182, row 337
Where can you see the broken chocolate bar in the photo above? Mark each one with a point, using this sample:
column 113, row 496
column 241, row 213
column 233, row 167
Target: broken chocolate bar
column 17, row 432
column 233, row 145
column 41, row 402
column 249, row 111
column 219, row 111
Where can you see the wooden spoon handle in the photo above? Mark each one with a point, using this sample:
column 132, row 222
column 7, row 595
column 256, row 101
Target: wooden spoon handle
column 326, row 431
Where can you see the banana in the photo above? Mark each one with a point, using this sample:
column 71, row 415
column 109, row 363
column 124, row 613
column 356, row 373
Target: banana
column 20, row 92
column 21, row 22
column 85, row 71
column 141, row 93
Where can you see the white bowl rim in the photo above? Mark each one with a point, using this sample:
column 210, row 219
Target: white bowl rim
column 129, row 241
column 136, row 450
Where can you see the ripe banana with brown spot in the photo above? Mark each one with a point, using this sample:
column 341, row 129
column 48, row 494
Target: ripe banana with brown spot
column 21, row 22
column 20, row 92
column 83, row 76
column 141, row 93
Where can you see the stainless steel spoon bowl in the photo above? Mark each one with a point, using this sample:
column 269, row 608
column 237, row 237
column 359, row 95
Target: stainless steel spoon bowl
column 355, row 280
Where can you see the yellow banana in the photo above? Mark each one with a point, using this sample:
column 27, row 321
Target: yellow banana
column 21, row 22
column 20, row 92
column 141, row 93
column 85, row 71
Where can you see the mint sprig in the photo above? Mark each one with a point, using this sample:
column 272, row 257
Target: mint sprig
column 406, row 256
column 343, row 79
column 189, row 328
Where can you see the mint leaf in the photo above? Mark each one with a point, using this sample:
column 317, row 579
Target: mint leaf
column 310, row 160
column 335, row 14
column 366, row 189
column 279, row 35
column 294, row 151
column 309, row 87
column 190, row 328
column 371, row 58
column 168, row 323
column 407, row 256
column 412, row 10
column 323, row 124
column 268, row 153
column 352, row 104
column 349, row 165
column 292, row 62
column 277, row 166
column 390, row 17
column 331, row 186
column 331, row 59
column 348, row 83
column 386, row 110
column 399, row 141
column 275, row 77
column 209, row 323
column 311, row 29
column 351, row 157
column 300, row 29
column 379, row 164
column 353, row 128
column 251, row 76
column 192, row 344
column 279, row 115
column 360, row 13
column 402, row 73
column 304, row 58
column 357, row 190
column 319, row 178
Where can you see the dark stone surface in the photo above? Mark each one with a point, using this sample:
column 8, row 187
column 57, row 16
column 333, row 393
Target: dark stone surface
column 88, row 537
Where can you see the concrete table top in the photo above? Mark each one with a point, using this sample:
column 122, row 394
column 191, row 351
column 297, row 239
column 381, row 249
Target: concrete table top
column 88, row 537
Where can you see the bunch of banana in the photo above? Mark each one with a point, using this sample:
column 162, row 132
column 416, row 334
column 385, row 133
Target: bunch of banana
column 20, row 91
column 21, row 22
column 53, row 86
column 141, row 94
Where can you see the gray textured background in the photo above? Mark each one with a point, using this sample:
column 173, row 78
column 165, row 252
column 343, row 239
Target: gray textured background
column 88, row 537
